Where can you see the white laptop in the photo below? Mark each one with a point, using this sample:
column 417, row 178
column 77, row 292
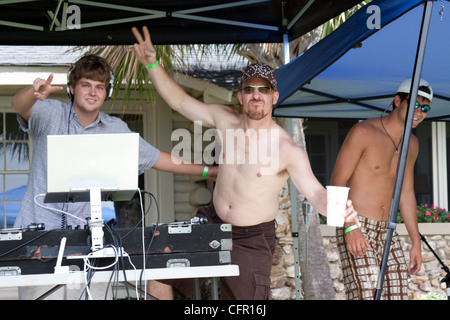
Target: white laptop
column 78, row 163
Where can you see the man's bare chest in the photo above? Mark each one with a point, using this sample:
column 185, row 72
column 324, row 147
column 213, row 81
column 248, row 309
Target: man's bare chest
column 250, row 147
column 380, row 161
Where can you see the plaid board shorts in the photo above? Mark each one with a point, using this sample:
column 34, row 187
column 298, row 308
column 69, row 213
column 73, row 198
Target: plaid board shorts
column 361, row 273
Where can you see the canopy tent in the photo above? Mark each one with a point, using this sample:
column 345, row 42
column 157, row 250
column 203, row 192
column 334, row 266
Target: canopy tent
column 354, row 72
column 108, row 22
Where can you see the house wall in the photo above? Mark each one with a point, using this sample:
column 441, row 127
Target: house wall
column 190, row 191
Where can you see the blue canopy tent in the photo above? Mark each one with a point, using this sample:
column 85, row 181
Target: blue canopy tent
column 354, row 72
column 332, row 81
column 108, row 22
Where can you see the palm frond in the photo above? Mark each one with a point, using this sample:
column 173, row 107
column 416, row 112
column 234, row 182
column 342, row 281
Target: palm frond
column 133, row 78
column 334, row 23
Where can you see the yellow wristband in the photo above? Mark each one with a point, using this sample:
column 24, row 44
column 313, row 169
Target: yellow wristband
column 152, row 65
column 205, row 171
column 353, row 227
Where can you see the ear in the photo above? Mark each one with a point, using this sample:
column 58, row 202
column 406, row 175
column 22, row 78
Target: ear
column 397, row 101
column 275, row 97
column 240, row 98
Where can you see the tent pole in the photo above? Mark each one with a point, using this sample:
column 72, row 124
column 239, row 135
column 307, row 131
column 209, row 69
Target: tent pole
column 293, row 191
column 405, row 142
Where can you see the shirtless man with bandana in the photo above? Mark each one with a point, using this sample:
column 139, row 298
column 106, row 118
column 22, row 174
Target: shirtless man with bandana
column 247, row 189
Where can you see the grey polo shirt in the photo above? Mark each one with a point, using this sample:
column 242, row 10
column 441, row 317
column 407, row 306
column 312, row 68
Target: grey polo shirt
column 53, row 117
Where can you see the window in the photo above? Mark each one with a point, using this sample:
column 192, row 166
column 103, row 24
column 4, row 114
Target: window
column 323, row 141
column 423, row 169
column 14, row 167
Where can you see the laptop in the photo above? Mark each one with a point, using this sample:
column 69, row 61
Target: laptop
column 78, row 163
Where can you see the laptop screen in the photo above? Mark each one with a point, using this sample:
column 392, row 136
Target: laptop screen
column 78, row 163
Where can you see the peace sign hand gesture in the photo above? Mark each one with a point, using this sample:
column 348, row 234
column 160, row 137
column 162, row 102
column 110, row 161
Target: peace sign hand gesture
column 42, row 88
column 144, row 50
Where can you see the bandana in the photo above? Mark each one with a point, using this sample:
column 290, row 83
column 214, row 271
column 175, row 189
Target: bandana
column 260, row 70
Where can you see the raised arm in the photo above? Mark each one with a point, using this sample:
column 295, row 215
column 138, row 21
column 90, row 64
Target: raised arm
column 167, row 88
column 24, row 100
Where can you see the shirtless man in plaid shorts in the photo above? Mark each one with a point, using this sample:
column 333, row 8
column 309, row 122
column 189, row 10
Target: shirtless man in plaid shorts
column 367, row 163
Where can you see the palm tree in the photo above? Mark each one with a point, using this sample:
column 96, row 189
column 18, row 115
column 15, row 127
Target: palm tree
column 132, row 78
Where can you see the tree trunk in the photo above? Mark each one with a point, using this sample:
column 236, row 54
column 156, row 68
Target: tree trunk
column 315, row 271
column 316, row 279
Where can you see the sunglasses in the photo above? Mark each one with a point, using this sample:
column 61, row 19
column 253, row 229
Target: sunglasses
column 423, row 107
column 261, row 89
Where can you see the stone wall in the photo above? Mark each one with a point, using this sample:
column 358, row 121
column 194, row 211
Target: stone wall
column 427, row 280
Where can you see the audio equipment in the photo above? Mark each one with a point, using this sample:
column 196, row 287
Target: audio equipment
column 169, row 245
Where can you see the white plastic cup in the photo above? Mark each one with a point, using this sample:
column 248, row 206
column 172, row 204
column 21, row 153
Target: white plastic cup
column 336, row 204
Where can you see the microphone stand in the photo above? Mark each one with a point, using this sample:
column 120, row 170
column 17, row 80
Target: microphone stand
column 446, row 279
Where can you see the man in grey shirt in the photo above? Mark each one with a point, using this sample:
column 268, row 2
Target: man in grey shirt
column 89, row 86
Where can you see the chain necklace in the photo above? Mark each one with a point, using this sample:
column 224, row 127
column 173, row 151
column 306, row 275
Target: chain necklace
column 395, row 146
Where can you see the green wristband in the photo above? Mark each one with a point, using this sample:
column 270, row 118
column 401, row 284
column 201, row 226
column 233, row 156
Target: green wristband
column 152, row 65
column 205, row 171
column 353, row 227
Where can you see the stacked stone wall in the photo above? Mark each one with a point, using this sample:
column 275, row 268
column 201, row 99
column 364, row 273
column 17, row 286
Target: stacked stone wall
column 426, row 281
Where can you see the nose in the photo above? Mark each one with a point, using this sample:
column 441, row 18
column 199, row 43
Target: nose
column 92, row 91
column 256, row 93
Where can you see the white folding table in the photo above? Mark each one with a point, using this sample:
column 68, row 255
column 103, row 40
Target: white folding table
column 78, row 277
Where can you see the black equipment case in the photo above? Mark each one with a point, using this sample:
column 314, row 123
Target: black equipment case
column 165, row 246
